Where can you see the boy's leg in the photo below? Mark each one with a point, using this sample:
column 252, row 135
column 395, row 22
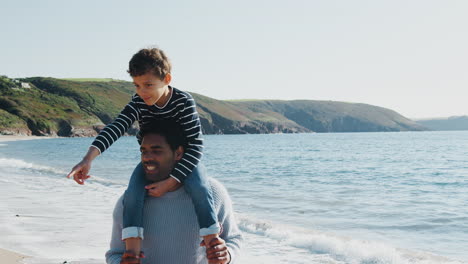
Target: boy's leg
column 199, row 188
column 133, row 203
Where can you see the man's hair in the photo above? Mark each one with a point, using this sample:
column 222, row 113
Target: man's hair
column 170, row 130
column 152, row 60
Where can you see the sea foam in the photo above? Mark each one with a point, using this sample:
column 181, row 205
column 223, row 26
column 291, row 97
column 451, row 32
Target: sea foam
column 338, row 249
column 20, row 164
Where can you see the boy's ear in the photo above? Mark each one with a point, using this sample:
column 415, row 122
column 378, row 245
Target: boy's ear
column 167, row 79
column 179, row 153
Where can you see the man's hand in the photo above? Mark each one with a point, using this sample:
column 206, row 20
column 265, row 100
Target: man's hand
column 130, row 257
column 158, row 189
column 80, row 171
column 217, row 252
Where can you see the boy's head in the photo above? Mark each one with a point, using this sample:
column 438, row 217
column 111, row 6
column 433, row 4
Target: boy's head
column 151, row 60
column 151, row 73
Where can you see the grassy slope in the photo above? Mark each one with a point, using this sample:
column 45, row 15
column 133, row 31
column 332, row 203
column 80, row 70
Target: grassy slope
column 11, row 121
column 91, row 80
column 52, row 102
column 86, row 102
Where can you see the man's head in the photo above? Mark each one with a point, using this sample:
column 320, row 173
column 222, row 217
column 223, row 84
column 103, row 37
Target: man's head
column 150, row 70
column 161, row 148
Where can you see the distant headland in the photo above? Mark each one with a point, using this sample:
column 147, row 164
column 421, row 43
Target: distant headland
column 44, row 106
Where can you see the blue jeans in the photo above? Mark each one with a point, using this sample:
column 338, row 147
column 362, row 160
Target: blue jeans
column 196, row 185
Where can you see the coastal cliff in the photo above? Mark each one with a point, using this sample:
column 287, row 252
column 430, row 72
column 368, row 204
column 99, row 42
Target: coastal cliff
column 76, row 108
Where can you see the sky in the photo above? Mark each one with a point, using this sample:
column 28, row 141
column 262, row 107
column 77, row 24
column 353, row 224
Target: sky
column 410, row 56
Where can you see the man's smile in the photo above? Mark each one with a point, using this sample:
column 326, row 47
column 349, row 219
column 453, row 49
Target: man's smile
column 150, row 166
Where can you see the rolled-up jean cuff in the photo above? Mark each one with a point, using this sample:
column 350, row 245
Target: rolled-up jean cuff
column 211, row 230
column 132, row 231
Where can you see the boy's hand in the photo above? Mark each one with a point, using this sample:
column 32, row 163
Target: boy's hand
column 158, row 189
column 80, row 172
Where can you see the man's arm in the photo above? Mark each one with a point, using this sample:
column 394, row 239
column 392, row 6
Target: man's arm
column 117, row 246
column 230, row 231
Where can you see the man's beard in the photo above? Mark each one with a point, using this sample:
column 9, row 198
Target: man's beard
column 160, row 175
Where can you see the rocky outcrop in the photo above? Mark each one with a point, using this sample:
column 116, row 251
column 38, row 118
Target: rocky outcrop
column 15, row 131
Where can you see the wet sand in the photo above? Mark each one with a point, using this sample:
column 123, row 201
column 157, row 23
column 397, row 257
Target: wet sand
column 9, row 257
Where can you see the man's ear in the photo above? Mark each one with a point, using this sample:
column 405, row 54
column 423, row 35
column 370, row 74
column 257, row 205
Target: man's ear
column 179, row 152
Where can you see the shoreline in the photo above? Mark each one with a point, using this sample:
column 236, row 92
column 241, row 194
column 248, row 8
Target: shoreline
column 10, row 257
column 7, row 138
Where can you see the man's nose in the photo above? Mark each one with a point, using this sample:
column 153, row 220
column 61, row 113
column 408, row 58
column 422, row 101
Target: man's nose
column 146, row 157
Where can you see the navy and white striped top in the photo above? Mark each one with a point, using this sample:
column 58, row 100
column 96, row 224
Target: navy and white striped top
column 181, row 108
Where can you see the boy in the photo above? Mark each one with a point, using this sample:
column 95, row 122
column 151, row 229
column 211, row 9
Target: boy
column 150, row 70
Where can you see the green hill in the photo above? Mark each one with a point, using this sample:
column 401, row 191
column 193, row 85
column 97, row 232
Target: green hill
column 81, row 107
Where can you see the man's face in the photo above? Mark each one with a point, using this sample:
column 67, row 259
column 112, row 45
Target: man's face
column 157, row 157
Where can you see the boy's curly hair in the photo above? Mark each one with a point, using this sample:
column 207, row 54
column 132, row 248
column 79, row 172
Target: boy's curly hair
column 148, row 60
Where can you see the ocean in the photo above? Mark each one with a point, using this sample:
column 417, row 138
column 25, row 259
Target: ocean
column 299, row 198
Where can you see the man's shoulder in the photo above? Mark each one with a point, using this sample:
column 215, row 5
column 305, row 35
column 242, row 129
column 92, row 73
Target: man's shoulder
column 216, row 184
column 219, row 191
column 118, row 208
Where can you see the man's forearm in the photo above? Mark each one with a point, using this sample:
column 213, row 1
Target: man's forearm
column 117, row 247
column 113, row 257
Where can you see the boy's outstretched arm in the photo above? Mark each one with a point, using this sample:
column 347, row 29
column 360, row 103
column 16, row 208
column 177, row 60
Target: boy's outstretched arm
column 105, row 139
column 118, row 127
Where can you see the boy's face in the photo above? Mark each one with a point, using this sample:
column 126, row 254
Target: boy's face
column 150, row 88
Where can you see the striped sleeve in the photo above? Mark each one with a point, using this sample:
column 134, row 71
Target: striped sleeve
column 117, row 128
column 191, row 127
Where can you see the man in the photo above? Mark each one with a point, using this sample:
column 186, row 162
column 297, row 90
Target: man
column 171, row 227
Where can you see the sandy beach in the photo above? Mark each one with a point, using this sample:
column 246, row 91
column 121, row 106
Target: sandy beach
column 5, row 138
column 8, row 257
